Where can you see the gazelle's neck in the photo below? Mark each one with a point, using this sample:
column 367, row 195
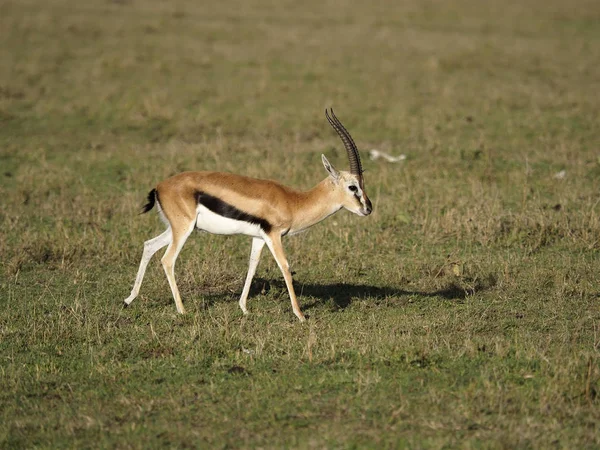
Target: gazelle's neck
column 315, row 205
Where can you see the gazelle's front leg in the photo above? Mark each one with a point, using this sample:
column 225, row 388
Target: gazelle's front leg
column 274, row 243
column 257, row 246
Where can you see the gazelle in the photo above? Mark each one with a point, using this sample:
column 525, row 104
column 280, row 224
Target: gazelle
column 224, row 203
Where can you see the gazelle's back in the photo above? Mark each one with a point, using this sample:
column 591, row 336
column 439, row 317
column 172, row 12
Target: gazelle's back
column 265, row 199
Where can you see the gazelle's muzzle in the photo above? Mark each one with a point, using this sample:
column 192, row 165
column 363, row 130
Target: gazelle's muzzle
column 366, row 206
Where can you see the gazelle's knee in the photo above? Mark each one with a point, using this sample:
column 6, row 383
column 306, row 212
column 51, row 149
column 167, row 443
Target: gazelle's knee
column 167, row 264
column 148, row 247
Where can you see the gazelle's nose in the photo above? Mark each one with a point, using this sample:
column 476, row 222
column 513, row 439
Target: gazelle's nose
column 368, row 208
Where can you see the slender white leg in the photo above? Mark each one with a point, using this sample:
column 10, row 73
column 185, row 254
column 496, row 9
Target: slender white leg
column 180, row 235
column 274, row 244
column 150, row 248
column 257, row 246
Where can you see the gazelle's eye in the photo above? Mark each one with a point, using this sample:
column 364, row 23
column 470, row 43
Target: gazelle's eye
column 353, row 188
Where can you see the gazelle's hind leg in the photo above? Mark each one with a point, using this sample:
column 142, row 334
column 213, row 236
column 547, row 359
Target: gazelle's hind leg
column 150, row 248
column 180, row 232
column 257, row 246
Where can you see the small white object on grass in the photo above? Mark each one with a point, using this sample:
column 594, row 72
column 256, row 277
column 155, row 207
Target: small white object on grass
column 560, row 175
column 376, row 154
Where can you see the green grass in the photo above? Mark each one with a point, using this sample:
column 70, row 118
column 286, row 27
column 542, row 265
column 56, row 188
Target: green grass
column 464, row 312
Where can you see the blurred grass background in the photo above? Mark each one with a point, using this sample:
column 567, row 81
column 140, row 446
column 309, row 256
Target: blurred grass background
column 462, row 313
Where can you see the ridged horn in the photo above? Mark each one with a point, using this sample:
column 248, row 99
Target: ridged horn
column 353, row 156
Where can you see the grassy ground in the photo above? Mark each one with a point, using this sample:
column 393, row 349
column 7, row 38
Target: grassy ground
column 462, row 313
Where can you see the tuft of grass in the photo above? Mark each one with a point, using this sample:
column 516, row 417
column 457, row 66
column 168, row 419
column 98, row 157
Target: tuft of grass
column 462, row 313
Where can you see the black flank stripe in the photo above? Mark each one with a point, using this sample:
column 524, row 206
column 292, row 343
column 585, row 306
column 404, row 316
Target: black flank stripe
column 221, row 208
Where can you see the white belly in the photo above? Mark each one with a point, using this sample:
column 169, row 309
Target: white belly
column 213, row 223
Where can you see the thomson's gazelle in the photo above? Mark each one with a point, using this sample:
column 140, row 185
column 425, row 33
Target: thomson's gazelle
column 224, row 203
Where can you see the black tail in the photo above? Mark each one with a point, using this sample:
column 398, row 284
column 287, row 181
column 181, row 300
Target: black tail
column 152, row 195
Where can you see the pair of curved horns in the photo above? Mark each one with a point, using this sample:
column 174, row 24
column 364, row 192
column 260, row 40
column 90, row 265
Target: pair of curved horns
column 353, row 156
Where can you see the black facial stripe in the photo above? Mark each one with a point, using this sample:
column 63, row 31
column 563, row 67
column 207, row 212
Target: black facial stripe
column 221, row 208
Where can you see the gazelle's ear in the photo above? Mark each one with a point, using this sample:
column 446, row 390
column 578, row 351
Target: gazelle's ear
column 332, row 170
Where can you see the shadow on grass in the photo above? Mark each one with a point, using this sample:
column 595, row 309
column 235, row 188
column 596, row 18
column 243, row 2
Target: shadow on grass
column 342, row 294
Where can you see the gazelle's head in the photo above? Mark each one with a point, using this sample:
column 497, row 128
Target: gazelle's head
column 350, row 186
